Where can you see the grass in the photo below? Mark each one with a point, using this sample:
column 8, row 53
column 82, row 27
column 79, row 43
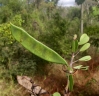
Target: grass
column 8, row 87
column 11, row 89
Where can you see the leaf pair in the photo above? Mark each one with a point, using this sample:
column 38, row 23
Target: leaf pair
column 83, row 41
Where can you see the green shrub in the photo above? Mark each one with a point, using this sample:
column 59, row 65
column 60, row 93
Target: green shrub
column 13, row 57
column 93, row 32
column 56, row 35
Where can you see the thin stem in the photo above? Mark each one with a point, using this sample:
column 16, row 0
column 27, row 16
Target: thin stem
column 72, row 58
column 67, row 85
column 75, row 61
column 76, row 54
column 67, row 88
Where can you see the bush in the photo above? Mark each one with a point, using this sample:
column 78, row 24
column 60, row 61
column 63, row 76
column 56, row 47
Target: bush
column 14, row 58
column 57, row 36
column 93, row 32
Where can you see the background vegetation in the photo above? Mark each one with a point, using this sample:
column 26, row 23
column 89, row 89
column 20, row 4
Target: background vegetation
column 51, row 24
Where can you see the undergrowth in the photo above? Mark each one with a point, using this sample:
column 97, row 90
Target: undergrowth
column 8, row 86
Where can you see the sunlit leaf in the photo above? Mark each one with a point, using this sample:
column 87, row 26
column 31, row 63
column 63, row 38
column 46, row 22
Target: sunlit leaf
column 85, row 68
column 56, row 94
column 81, row 67
column 83, row 39
column 85, row 47
column 35, row 46
column 78, row 67
column 85, row 58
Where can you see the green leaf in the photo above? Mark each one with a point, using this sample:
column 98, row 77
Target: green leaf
column 85, row 47
column 83, row 39
column 81, row 67
column 95, row 10
column 71, row 82
column 85, row 68
column 35, row 46
column 56, row 94
column 79, row 1
column 78, row 67
column 74, row 45
column 85, row 58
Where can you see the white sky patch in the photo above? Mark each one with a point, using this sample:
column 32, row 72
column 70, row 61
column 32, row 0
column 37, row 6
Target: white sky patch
column 66, row 3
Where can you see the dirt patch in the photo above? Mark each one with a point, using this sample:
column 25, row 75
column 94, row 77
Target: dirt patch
column 54, row 80
column 86, row 82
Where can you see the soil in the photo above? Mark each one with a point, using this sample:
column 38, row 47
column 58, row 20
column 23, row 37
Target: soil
column 86, row 82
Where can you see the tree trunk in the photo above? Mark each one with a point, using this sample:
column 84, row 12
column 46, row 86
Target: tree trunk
column 81, row 19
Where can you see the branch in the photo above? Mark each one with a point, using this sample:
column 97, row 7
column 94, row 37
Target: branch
column 75, row 61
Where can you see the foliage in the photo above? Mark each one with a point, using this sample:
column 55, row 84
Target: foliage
column 8, row 8
column 95, row 10
column 57, row 31
column 5, row 32
column 5, row 14
column 79, row 1
column 10, row 52
column 24, row 66
column 17, row 19
column 93, row 32
column 5, row 42
column 73, row 13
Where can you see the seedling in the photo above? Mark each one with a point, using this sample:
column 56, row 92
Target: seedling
column 50, row 55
